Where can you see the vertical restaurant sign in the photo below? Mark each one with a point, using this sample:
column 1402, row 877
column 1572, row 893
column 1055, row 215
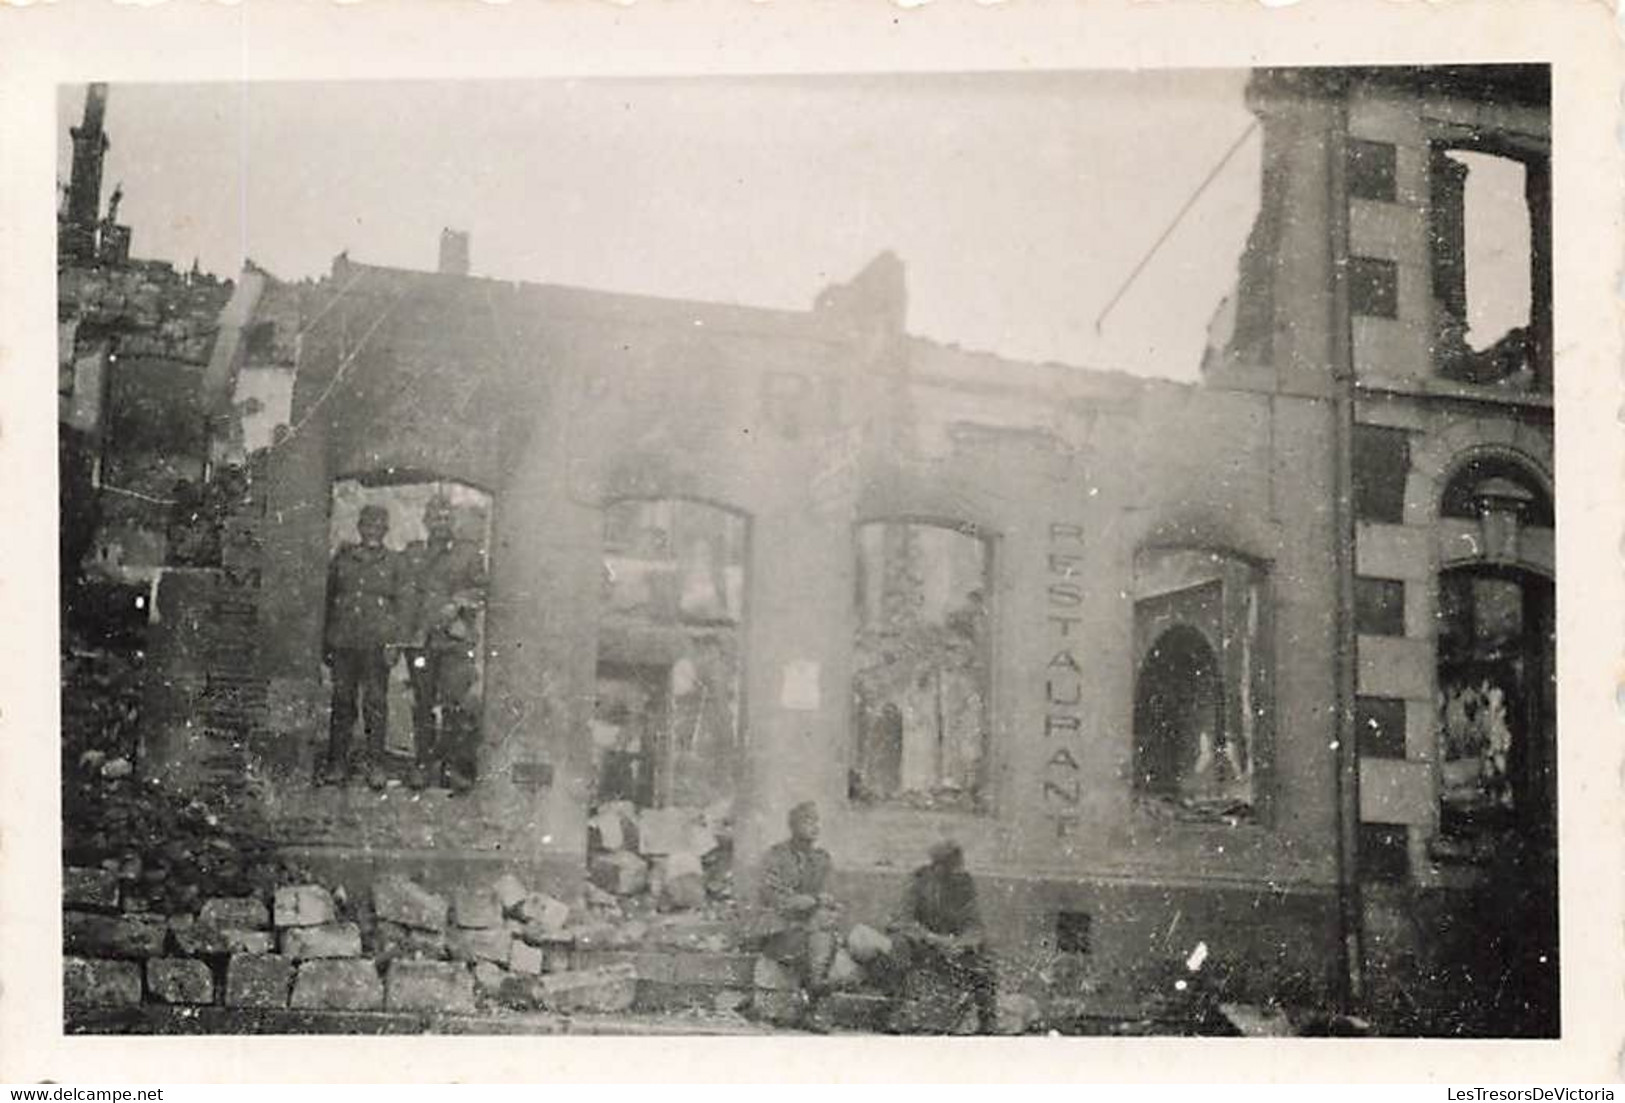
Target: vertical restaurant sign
column 1062, row 776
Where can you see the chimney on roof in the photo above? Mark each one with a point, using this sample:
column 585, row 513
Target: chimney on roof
column 453, row 252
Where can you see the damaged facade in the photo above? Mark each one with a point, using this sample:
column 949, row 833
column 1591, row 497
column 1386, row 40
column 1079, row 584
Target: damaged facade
column 1091, row 625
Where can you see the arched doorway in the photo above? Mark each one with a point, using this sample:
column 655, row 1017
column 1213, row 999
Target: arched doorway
column 1497, row 702
column 1497, row 747
column 1497, row 665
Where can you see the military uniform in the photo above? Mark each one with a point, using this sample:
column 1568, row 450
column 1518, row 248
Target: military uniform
column 364, row 599
column 448, row 590
column 801, row 938
column 937, row 976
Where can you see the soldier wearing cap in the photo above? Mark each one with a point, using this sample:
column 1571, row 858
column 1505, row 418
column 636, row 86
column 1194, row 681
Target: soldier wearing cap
column 800, row 915
column 941, row 946
column 448, row 591
column 364, row 597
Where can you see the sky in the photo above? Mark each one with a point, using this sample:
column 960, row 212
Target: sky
column 1018, row 203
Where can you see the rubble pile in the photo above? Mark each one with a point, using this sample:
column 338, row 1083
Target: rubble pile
column 101, row 706
column 164, row 853
column 667, row 860
column 306, row 947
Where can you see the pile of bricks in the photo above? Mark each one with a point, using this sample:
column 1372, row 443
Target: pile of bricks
column 406, row 949
column 677, row 857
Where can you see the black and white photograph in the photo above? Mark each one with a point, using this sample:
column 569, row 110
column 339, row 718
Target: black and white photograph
column 950, row 553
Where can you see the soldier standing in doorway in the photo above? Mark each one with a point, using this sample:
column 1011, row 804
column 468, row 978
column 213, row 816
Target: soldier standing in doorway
column 448, row 584
column 364, row 600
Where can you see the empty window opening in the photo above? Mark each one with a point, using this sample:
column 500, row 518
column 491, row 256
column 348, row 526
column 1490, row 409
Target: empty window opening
column 1372, row 170
column 1385, row 852
column 1374, row 287
column 923, row 667
column 666, row 719
column 1379, row 607
column 1382, row 462
column 1379, row 722
column 1484, row 239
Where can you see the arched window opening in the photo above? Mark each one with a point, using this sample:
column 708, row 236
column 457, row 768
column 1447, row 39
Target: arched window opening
column 1201, row 687
column 431, row 616
column 667, row 715
column 923, row 670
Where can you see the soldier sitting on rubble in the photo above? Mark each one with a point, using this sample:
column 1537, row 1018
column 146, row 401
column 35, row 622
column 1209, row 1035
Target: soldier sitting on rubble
column 799, row 929
column 364, row 590
column 939, row 950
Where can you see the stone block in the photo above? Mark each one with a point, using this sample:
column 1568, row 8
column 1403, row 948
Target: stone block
column 94, row 982
column 91, row 935
column 488, row 976
column 198, row 939
column 180, row 980
column 473, row 944
column 509, row 891
column 604, row 832
column 1390, row 666
column 478, row 907
column 256, row 981
column 327, row 941
column 1396, row 791
column 731, row 969
column 241, row 912
column 542, row 912
column 682, row 893
column 525, row 958
column 681, row 864
column 90, row 888
column 1394, row 551
column 681, row 881
column 608, row 990
column 620, row 872
column 391, row 940
column 303, row 906
column 429, row 986
column 404, row 901
column 347, row 984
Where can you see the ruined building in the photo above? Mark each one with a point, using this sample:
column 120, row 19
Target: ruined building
column 1263, row 662
column 134, row 341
